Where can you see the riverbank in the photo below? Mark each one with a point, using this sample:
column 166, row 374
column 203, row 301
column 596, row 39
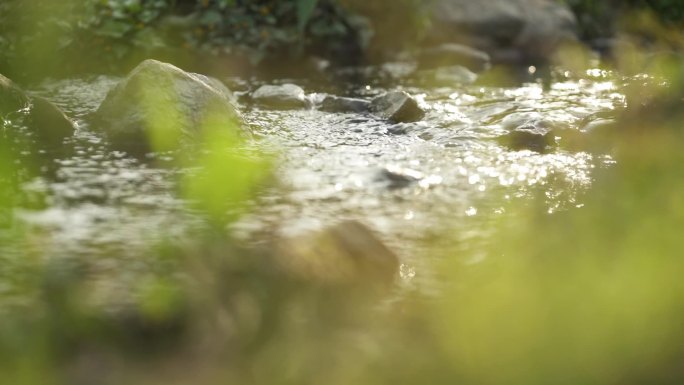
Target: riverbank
column 296, row 37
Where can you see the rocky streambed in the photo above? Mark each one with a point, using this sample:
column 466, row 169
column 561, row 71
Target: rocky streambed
column 457, row 159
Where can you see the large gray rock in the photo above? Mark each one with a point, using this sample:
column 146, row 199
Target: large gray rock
column 534, row 28
column 49, row 124
column 285, row 96
column 159, row 107
column 397, row 107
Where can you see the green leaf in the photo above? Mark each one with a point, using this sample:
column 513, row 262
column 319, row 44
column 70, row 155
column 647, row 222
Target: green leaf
column 305, row 9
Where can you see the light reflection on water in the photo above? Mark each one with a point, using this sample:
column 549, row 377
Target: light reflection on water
column 407, row 181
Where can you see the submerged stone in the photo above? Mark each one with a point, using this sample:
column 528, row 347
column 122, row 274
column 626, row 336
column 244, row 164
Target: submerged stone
column 537, row 139
column 341, row 105
column 595, row 133
column 347, row 254
column 396, row 177
column 285, row 96
column 397, row 107
column 528, row 131
column 159, row 107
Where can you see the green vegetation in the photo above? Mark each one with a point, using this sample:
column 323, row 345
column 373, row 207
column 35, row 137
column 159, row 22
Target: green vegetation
column 84, row 35
column 115, row 35
column 599, row 18
column 95, row 35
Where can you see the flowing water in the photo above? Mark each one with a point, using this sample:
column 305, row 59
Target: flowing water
column 409, row 182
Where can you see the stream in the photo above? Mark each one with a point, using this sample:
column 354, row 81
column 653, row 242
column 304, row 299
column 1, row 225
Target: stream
column 409, row 182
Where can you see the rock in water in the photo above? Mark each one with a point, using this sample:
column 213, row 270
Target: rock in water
column 395, row 177
column 530, row 138
column 341, row 105
column 285, row 96
column 12, row 98
column 348, row 254
column 528, row 131
column 44, row 119
column 398, row 107
column 159, row 107
column 49, row 123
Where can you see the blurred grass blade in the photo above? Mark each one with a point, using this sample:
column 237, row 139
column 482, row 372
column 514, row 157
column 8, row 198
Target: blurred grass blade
column 305, row 10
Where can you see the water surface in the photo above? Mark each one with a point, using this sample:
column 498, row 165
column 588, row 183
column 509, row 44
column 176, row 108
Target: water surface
column 409, row 182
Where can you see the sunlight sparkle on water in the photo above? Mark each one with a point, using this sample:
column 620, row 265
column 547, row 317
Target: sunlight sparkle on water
column 567, row 86
column 406, row 271
column 521, row 167
column 598, row 73
column 471, row 211
column 430, row 181
column 532, row 91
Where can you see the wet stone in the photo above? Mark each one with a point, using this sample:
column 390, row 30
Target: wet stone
column 399, row 129
column 49, row 122
column 285, row 96
column 343, row 105
column 427, row 136
column 397, row 107
column 12, row 98
column 45, row 120
column 396, row 177
column 160, row 100
column 514, row 120
column 347, row 254
column 598, row 125
column 535, row 138
column 528, row 131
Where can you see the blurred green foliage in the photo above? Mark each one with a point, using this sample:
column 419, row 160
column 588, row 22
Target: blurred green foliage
column 111, row 35
column 393, row 26
column 600, row 18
